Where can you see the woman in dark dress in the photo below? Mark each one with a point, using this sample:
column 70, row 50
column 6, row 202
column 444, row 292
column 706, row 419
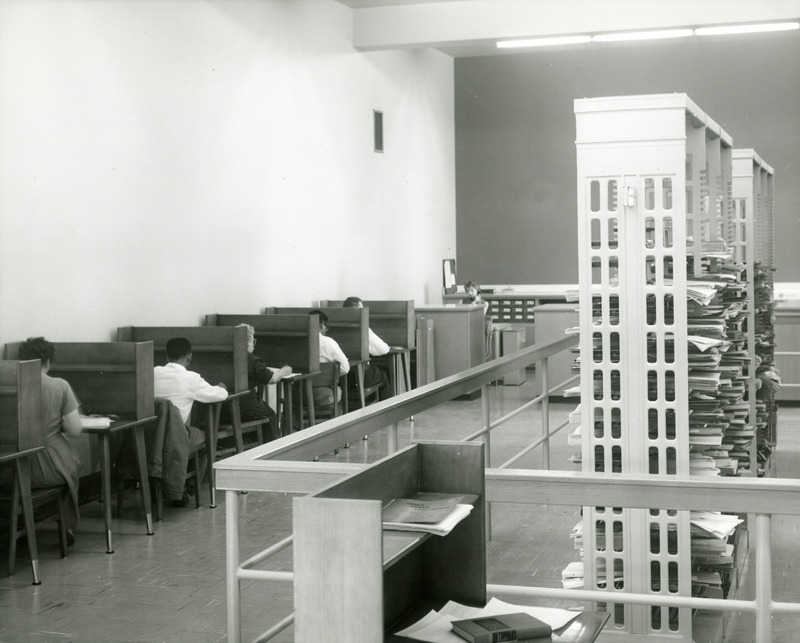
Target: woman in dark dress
column 253, row 406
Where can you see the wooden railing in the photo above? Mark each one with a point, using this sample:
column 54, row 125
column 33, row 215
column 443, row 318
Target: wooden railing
column 286, row 466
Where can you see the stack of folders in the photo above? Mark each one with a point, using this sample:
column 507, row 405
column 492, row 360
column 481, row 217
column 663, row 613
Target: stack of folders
column 720, row 432
column 431, row 513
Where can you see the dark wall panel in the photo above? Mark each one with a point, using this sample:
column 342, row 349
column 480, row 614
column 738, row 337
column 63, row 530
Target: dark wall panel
column 515, row 140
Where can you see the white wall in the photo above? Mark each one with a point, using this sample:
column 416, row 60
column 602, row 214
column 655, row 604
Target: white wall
column 165, row 159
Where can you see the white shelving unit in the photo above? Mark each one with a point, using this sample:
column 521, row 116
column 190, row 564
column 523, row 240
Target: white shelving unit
column 654, row 198
column 752, row 237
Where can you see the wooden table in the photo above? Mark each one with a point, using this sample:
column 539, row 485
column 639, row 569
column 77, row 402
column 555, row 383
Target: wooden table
column 104, row 440
column 287, row 382
column 22, row 476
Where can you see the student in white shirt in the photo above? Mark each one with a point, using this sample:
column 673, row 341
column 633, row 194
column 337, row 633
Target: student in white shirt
column 329, row 349
column 373, row 374
column 183, row 387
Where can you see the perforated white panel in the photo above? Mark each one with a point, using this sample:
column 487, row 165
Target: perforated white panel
column 654, row 198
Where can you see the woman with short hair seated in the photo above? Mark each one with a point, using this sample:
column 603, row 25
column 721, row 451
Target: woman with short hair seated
column 58, row 463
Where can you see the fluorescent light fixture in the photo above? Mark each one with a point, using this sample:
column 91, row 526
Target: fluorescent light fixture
column 642, row 35
column 758, row 28
column 543, row 42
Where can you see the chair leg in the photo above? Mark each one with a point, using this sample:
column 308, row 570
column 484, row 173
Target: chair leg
column 120, row 492
column 197, row 480
column 12, row 530
column 62, row 522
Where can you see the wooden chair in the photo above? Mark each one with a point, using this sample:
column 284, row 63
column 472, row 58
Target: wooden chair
column 354, row 395
column 20, row 439
column 155, row 460
column 239, row 429
column 49, row 505
column 328, row 379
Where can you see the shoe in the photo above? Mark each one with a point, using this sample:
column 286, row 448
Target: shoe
column 70, row 538
column 182, row 502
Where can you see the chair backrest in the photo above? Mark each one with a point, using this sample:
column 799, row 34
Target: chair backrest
column 327, row 393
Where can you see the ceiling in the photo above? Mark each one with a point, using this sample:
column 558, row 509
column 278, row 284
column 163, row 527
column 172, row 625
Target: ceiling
column 464, row 28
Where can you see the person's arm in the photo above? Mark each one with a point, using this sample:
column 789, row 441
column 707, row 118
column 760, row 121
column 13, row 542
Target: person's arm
column 259, row 372
column 280, row 373
column 70, row 417
column 71, row 423
column 376, row 345
column 339, row 356
column 205, row 392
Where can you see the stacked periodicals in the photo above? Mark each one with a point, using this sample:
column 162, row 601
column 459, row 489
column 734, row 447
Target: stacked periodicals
column 767, row 381
column 719, row 429
column 712, row 552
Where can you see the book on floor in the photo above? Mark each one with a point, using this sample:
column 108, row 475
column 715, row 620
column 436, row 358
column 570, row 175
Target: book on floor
column 504, row 627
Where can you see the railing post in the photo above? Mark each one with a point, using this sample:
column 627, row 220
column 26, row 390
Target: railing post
column 392, row 446
column 545, row 413
column 487, row 449
column 763, row 578
column 232, row 559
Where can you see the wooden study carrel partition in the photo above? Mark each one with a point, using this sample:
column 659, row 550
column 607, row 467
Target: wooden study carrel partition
column 291, row 340
column 359, row 595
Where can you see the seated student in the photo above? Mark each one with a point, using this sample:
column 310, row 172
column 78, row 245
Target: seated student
column 329, row 351
column 58, row 463
column 252, row 407
column 373, row 375
column 473, row 294
column 183, row 387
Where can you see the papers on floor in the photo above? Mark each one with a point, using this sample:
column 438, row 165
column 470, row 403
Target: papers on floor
column 435, row 626
column 430, row 513
column 95, row 422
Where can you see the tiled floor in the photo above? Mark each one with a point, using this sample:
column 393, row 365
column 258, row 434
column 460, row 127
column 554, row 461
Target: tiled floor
column 171, row 586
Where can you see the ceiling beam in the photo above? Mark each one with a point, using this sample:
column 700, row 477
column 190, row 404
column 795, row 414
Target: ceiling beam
column 461, row 23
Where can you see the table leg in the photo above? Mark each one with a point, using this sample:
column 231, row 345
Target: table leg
column 407, row 369
column 393, row 373
column 105, row 478
column 232, row 560
column 211, row 451
column 144, row 481
column 310, row 396
column 360, row 375
column 22, row 468
column 289, row 408
column 236, row 422
column 300, row 406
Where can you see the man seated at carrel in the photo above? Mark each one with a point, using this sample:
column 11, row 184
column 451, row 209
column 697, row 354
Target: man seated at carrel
column 176, row 383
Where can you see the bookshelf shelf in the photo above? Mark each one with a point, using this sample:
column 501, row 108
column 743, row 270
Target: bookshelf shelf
column 340, row 596
column 660, row 279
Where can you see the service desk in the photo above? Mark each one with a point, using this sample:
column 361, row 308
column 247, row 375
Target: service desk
column 459, row 337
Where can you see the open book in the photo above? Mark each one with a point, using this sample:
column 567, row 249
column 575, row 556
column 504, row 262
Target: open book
column 95, row 422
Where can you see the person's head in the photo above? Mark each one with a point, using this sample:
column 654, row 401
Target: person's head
column 323, row 320
column 38, row 348
column 179, row 349
column 472, row 289
column 353, row 302
column 251, row 337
